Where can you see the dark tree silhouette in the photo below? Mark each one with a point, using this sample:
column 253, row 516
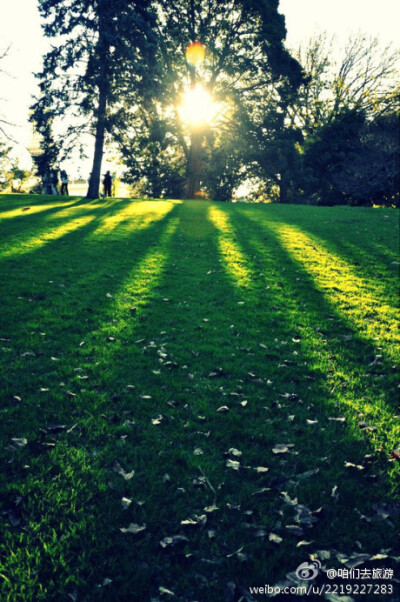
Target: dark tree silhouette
column 102, row 51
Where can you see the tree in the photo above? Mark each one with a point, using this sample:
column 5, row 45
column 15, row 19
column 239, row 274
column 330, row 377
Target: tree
column 355, row 160
column 4, row 123
column 363, row 78
column 244, row 54
column 340, row 110
column 102, row 51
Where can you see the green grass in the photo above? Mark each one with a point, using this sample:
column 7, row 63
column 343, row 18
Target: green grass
column 125, row 326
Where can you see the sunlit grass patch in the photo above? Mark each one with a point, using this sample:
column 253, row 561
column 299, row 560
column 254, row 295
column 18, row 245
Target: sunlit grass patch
column 139, row 286
column 350, row 293
column 27, row 245
column 327, row 351
column 235, row 263
column 30, row 209
column 134, row 216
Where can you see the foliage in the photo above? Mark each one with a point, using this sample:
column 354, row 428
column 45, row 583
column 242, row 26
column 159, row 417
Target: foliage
column 4, row 164
column 345, row 115
column 244, row 54
column 101, row 52
column 4, row 123
column 362, row 79
column 154, row 161
column 118, row 70
column 353, row 160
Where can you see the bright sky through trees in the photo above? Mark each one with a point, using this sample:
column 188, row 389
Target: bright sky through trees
column 198, row 107
column 20, row 29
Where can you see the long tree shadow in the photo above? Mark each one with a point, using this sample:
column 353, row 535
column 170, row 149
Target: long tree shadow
column 66, row 300
column 348, row 351
column 24, row 232
column 358, row 299
column 375, row 256
column 152, row 399
column 34, row 208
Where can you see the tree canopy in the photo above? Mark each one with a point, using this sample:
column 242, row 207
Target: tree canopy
column 236, row 105
column 101, row 53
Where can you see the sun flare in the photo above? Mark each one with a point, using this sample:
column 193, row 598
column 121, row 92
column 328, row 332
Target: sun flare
column 198, row 107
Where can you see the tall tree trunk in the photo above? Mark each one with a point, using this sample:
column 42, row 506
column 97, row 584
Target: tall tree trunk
column 194, row 166
column 102, row 49
column 194, row 159
column 94, row 182
column 283, row 188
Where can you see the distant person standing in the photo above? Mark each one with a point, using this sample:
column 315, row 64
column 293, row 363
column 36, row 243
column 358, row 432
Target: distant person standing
column 46, row 183
column 54, row 181
column 107, row 183
column 64, row 182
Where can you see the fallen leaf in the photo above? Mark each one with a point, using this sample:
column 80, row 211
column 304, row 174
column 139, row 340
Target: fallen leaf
column 171, row 365
column 55, row 428
column 233, row 452
column 308, row 473
column 275, row 538
column 294, row 530
column 223, row 409
column 133, row 528
column 233, row 464
column 173, row 541
column 259, row 532
column 118, row 469
column 197, row 521
column 354, row 560
column 242, row 557
column 19, row 442
column 355, row 466
column 288, row 500
column 304, row 516
column 210, row 509
column 126, row 502
column 261, row 469
column 282, row 448
column 261, row 491
column 163, row 591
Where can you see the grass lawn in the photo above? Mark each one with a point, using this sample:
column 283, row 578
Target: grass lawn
column 196, row 399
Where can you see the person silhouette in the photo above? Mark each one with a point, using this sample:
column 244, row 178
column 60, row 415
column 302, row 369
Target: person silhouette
column 107, row 184
column 64, row 182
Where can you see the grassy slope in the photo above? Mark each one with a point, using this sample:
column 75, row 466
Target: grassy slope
column 290, row 309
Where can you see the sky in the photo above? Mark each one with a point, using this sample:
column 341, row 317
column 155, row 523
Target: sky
column 20, row 29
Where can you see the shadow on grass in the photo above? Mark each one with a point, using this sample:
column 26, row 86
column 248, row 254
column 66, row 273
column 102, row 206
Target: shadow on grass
column 335, row 337
column 348, row 234
column 192, row 347
column 22, row 232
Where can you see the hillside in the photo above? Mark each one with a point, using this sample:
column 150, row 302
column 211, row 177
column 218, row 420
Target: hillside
column 197, row 397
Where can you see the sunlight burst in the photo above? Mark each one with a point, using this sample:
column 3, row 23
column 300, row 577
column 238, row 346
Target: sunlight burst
column 198, row 107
